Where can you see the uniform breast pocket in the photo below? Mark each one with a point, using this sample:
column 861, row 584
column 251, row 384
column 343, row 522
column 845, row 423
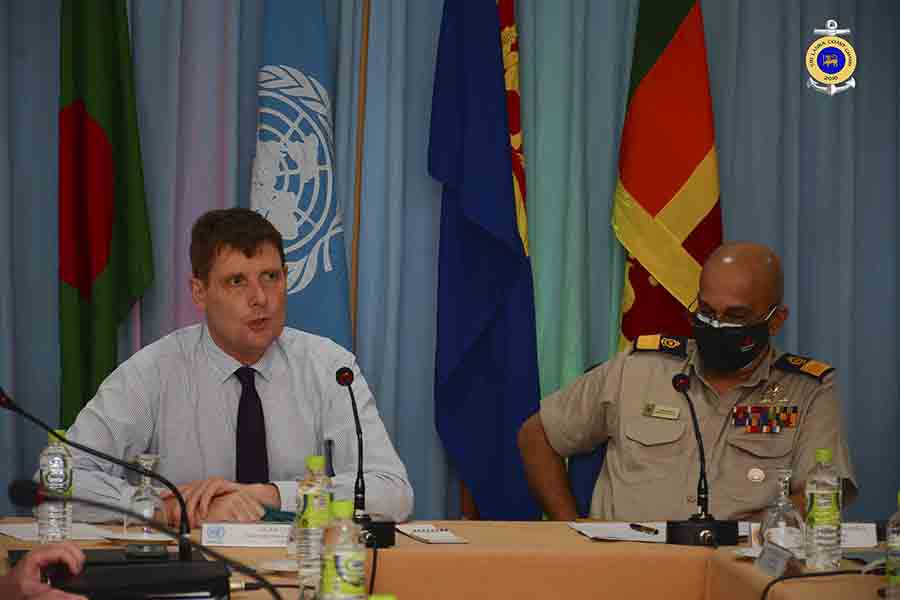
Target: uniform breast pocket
column 653, row 447
column 750, row 467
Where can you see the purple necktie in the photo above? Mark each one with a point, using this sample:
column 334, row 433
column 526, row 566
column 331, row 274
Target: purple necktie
column 252, row 456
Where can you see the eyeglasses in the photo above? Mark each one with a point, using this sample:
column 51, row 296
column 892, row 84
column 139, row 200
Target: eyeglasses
column 711, row 319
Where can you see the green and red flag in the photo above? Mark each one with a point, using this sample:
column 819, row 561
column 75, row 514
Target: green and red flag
column 105, row 256
column 666, row 211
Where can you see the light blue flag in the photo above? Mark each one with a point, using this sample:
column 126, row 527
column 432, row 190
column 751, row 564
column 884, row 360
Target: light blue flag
column 293, row 170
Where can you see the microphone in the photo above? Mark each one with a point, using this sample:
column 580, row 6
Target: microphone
column 702, row 529
column 374, row 534
column 344, row 377
column 184, row 547
column 136, row 579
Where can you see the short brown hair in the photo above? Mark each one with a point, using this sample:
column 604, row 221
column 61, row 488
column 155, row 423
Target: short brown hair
column 238, row 228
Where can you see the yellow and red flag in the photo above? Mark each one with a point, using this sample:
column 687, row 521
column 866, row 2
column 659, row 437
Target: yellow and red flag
column 666, row 210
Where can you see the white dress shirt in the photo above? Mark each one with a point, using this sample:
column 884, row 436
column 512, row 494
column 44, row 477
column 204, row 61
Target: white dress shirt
column 178, row 398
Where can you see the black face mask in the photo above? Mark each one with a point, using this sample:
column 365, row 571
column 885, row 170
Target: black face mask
column 729, row 349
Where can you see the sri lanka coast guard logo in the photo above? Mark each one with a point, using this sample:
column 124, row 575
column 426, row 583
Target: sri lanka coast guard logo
column 831, row 61
column 293, row 171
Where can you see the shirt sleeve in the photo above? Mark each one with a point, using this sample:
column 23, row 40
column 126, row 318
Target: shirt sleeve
column 389, row 495
column 579, row 417
column 117, row 421
column 822, row 427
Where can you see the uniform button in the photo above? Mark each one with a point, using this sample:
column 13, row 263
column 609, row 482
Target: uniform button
column 691, row 500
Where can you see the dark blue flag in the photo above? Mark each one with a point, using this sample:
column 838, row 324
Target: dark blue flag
column 486, row 374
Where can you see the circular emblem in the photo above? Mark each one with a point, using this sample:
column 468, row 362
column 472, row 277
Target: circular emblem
column 756, row 475
column 796, row 360
column 669, row 343
column 831, row 59
column 293, row 175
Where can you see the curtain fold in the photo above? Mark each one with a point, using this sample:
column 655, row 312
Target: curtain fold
column 29, row 331
column 398, row 240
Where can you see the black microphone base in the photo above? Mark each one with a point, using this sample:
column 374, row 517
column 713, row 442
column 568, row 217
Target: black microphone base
column 137, row 581
column 698, row 531
column 376, row 534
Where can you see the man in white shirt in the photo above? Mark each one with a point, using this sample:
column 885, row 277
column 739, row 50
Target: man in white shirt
column 234, row 405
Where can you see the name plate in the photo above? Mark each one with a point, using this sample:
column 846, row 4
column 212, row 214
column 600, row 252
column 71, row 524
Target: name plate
column 246, row 535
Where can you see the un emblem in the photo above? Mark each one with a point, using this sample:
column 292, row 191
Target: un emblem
column 831, row 61
column 293, row 171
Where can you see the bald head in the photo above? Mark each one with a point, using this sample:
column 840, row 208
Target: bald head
column 742, row 274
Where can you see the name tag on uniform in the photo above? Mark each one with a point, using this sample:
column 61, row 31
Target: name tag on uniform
column 661, row 411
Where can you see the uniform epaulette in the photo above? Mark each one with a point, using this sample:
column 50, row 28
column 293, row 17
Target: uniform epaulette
column 801, row 364
column 676, row 346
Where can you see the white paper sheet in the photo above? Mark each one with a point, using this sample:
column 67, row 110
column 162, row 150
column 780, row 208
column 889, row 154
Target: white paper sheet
column 622, row 531
column 28, row 532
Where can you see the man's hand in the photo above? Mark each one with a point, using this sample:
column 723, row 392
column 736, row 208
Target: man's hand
column 237, row 506
column 23, row 582
column 200, row 494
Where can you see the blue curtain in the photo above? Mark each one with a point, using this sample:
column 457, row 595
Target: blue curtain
column 399, row 223
column 817, row 179
column 29, row 338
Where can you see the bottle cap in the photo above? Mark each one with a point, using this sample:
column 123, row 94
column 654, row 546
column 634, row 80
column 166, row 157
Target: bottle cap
column 823, row 455
column 342, row 509
column 52, row 439
column 315, row 463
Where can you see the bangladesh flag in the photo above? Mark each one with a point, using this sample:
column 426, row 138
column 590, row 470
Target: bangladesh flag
column 105, row 257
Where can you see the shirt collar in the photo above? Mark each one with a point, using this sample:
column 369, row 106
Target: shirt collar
column 225, row 365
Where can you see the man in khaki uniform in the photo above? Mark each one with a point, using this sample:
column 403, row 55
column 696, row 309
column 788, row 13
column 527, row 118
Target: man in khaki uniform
column 758, row 409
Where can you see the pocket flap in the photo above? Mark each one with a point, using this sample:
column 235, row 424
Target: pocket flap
column 764, row 445
column 653, row 432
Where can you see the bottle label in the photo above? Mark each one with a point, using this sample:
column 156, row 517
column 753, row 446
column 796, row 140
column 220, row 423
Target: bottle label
column 823, row 509
column 892, row 566
column 344, row 573
column 57, row 478
column 313, row 509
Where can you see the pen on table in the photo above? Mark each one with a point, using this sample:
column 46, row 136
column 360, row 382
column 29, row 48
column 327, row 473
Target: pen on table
column 644, row 528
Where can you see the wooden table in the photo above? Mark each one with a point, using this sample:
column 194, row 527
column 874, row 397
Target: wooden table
column 550, row 560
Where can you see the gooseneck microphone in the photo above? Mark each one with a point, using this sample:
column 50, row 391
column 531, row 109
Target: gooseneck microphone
column 375, row 534
column 184, row 546
column 344, row 377
column 150, row 578
column 702, row 529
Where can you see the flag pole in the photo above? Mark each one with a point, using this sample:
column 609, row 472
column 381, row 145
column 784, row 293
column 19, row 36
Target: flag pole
column 357, row 176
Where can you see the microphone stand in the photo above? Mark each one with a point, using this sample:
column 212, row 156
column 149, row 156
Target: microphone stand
column 375, row 534
column 184, row 546
column 28, row 494
column 702, row 529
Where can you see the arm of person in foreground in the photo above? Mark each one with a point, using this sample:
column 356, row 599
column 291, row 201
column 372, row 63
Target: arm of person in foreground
column 545, row 471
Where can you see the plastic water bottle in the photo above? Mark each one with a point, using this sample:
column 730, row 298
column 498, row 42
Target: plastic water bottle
column 344, row 571
column 55, row 518
column 892, row 562
column 823, row 515
column 313, row 516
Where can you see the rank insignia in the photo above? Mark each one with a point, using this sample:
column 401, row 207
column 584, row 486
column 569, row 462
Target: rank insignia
column 803, row 365
column 676, row 346
column 774, row 394
column 765, row 419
